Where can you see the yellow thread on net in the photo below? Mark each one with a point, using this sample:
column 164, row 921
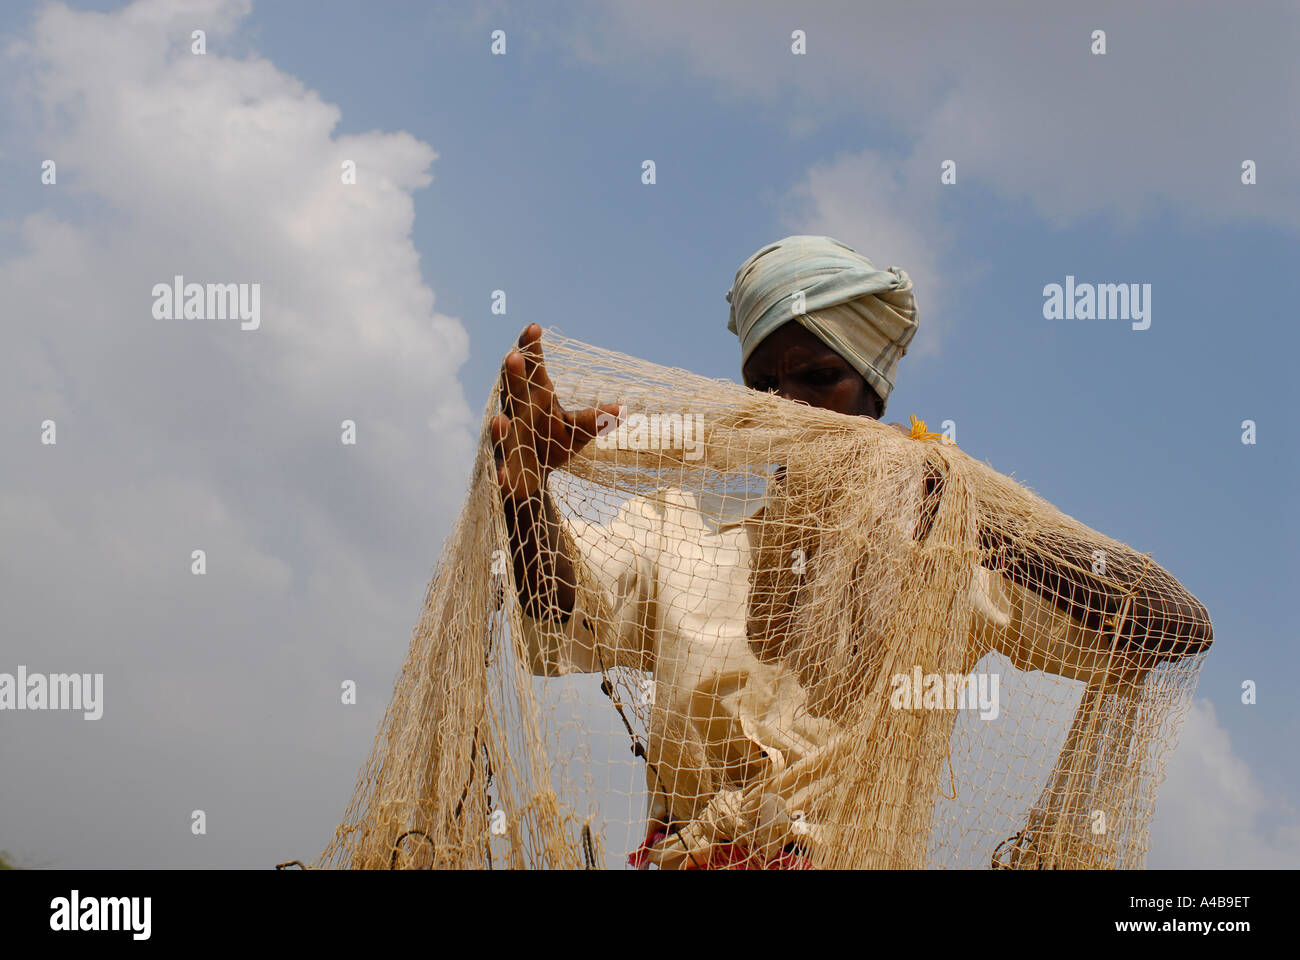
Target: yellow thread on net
column 920, row 432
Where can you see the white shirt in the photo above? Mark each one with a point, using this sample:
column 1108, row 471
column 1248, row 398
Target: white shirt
column 665, row 590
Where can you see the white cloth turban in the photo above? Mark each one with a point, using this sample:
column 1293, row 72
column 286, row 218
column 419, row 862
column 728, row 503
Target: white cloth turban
column 866, row 315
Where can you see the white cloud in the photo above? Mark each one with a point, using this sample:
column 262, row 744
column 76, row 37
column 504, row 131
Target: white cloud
column 182, row 434
column 1159, row 124
column 1212, row 812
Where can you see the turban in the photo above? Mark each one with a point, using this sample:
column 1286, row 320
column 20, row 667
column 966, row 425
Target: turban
column 864, row 314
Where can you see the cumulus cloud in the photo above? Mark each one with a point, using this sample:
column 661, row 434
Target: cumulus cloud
column 1160, row 124
column 1213, row 812
column 221, row 691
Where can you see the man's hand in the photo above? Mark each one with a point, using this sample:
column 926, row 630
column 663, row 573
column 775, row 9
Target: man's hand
column 535, row 435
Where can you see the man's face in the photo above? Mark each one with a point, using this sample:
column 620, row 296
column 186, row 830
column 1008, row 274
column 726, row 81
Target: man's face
column 795, row 364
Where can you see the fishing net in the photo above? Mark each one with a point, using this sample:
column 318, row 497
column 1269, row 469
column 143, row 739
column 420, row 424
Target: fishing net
column 793, row 639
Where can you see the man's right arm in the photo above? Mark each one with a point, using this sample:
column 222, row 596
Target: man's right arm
column 543, row 569
column 532, row 436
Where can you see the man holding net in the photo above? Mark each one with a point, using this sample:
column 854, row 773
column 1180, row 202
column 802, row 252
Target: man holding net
column 736, row 752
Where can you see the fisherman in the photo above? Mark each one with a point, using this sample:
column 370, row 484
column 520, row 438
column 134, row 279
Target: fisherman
column 669, row 590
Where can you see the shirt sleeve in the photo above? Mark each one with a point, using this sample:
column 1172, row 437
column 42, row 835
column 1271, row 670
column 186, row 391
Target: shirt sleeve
column 615, row 604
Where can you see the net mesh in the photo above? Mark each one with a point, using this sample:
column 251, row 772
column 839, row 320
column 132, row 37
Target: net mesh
column 784, row 638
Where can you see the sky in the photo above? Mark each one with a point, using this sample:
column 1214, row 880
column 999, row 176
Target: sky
column 522, row 172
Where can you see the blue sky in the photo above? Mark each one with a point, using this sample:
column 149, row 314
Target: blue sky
column 1123, row 168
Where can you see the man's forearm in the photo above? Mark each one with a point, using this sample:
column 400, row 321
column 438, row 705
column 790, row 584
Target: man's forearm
column 543, row 569
column 1156, row 615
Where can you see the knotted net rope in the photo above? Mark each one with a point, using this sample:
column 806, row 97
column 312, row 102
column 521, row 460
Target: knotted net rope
column 830, row 643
